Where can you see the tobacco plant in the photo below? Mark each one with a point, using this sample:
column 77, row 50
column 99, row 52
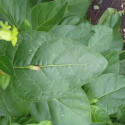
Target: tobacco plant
column 56, row 68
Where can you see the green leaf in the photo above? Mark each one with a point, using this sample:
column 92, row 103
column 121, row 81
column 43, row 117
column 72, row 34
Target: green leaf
column 39, row 111
column 42, row 123
column 12, row 11
column 122, row 63
column 99, row 116
column 2, row 47
column 11, row 104
column 15, row 124
column 5, row 120
column 109, row 90
column 6, row 66
column 98, row 124
column 71, row 109
column 46, row 15
column 117, row 42
column 4, row 80
column 113, row 62
column 121, row 114
column 118, row 124
column 71, row 20
column 63, row 64
column 101, row 41
column 76, row 7
column 112, row 18
column 80, row 33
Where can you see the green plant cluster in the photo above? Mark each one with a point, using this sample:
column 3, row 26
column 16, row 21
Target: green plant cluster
column 58, row 69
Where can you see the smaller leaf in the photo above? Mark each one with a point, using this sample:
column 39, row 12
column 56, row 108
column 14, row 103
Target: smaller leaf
column 109, row 90
column 78, row 7
column 71, row 20
column 98, row 124
column 111, row 17
column 6, row 66
column 113, row 62
column 98, row 115
column 101, row 41
column 121, row 114
column 122, row 63
column 43, row 19
column 5, row 120
column 4, row 80
column 42, row 123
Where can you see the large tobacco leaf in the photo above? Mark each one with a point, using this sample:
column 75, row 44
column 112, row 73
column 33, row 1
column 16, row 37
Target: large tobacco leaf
column 73, row 108
column 64, row 65
column 108, row 90
column 12, row 11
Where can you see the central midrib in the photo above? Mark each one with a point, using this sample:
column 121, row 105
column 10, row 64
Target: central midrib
column 57, row 65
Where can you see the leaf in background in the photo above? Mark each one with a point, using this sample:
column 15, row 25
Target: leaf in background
column 12, row 11
column 109, row 90
column 4, row 80
column 122, row 63
column 6, row 66
column 76, row 7
column 99, row 116
column 118, row 124
column 15, row 124
column 98, row 124
column 46, row 15
column 117, row 43
column 63, row 66
column 71, row 20
column 113, row 62
column 11, row 104
column 71, row 109
column 112, row 18
column 42, row 123
column 34, row 2
column 39, row 111
column 77, row 33
column 2, row 47
column 5, row 120
column 121, row 114
column 101, row 41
